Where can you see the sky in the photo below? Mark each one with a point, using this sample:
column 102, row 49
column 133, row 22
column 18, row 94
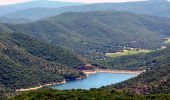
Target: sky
column 5, row 2
column 98, row 1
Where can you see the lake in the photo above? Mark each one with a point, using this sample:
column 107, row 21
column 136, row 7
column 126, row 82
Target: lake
column 95, row 81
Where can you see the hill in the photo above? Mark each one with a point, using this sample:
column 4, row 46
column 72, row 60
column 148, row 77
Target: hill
column 4, row 28
column 14, row 20
column 99, row 31
column 6, row 9
column 154, row 84
column 139, row 61
column 46, row 51
column 26, row 62
column 154, row 80
column 158, row 8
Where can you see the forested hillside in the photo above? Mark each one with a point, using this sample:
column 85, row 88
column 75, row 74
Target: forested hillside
column 4, row 28
column 154, row 84
column 37, row 52
column 26, row 62
column 93, row 94
column 139, row 61
column 46, row 51
column 154, row 80
column 100, row 31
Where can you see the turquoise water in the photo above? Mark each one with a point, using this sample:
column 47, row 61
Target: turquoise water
column 95, row 81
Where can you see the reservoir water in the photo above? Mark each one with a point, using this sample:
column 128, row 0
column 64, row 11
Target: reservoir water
column 95, row 81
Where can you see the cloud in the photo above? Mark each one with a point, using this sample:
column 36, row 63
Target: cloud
column 4, row 2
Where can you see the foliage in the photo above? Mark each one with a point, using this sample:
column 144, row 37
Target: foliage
column 23, row 63
column 99, row 31
column 152, row 84
column 46, row 51
column 156, row 79
column 93, row 94
column 139, row 61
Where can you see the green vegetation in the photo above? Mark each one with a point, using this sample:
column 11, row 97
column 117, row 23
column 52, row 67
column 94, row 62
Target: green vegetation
column 128, row 52
column 138, row 61
column 45, row 51
column 93, row 94
column 98, row 31
column 26, row 62
column 154, row 80
column 154, row 84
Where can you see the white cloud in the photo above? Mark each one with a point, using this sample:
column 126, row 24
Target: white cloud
column 5, row 2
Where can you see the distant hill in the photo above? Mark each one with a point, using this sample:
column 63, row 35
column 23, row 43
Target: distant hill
column 100, row 31
column 4, row 28
column 158, row 8
column 6, row 9
column 14, row 20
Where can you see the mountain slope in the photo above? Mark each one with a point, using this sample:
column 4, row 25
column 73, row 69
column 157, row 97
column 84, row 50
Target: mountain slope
column 154, row 84
column 45, row 51
column 4, row 28
column 156, row 79
column 100, row 31
column 14, row 21
column 139, row 61
column 25, row 62
column 153, row 81
column 159, row 8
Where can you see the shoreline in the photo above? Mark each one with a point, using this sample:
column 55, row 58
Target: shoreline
column 41, row 86
column 87, row 72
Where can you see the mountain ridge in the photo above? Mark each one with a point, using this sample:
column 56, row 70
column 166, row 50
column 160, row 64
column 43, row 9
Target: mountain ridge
column 153, row 8
column 33, row 4
column 88, row 28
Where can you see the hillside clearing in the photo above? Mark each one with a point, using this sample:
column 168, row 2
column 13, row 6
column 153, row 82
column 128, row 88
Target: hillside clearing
column 128, row 52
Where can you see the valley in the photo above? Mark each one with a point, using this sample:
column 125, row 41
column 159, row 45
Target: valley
column 83, row 31
column 95, row 80
column 51, row 50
